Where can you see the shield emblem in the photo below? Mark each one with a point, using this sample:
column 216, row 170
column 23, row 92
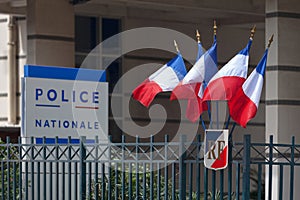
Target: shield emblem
column 216, row 149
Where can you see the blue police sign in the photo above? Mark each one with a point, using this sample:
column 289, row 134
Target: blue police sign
column 64, row 102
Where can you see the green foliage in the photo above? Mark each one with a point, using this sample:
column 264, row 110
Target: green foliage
column 9, row 171
column 218, row 196
column 158, row 186
column 128, row 182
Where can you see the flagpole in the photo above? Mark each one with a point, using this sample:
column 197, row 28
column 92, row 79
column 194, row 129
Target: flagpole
column 176, row 46
column 208, row 103
column 202, row 123
column 215, row 29
column 252, row 32
column 228, row 121
column 231, row 131
column 217, row 103
column 198, row 37
column 204, row 83
column 270, row 41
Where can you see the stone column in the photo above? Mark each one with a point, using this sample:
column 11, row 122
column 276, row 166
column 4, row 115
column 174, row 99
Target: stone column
column 50, row 33
column 283, row 82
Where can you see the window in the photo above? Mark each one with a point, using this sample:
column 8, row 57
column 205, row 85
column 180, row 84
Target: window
column 89, row 32
column 86, row 37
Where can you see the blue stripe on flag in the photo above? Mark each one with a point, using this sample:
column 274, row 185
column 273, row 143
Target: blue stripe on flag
column 245, row 51
column 177, row 64
column 200, row 51
column 211, row 63
column 261, row 67
column 212, row 52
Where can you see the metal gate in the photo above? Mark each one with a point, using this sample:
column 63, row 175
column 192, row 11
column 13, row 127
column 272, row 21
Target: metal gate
column 91, row 169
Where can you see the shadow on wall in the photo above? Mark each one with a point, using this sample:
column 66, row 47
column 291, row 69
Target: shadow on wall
column 12, row 132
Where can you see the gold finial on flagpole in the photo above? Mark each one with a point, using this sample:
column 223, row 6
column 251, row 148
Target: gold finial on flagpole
column 176, row 46
column 198, row 36
column 252, row 32
column 270, row 40
column 215, row 27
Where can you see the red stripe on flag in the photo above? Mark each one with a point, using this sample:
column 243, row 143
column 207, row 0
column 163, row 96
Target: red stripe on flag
column 195, row 108
column 221, row 162
column 241, row 108
column 185, row 91
column 223, row 88
column 146, row 92
column 195, row 105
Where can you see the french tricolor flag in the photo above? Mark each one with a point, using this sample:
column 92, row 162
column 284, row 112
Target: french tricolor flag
column 192, row 83
column 243, row 106
column 163, row 80
column 224, row 84
column 200, row 50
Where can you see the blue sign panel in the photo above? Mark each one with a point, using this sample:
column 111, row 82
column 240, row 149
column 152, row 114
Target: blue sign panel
column 64, row 102
column 64, row 73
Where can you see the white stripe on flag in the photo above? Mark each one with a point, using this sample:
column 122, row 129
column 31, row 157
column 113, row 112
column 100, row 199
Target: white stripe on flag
column 253, row 87
column 165, row 77
column 237, row 66
column 196, row 74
